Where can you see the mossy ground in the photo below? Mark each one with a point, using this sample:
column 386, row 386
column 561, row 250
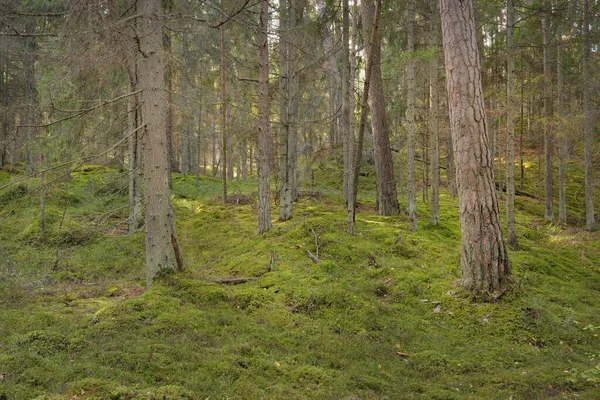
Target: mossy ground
column 380, row 317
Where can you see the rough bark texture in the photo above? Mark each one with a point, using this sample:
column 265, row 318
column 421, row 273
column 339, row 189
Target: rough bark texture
column 186, row 116
column 510, row 129
column 590, row 222
column 434, row 117
column 411, row 124
column 484, row 261
column 548, row 114
column 159, row 254
column 264, row 137
column 384, row 168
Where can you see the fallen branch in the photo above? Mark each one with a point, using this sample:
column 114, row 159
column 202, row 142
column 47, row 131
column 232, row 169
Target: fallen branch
column 314, row 258
column 231, row 281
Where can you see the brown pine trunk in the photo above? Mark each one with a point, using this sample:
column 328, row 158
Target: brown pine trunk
column 151, row 76
column 484, row 261
column 285, row 190
column 384, row 167
column 264, row 137
column 411, row 123
column 223, row 118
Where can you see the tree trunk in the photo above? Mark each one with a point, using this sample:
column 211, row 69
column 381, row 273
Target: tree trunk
column 384, row 167
column 31, row 104
column 510, row 128
column 348, row 134
column 434, row 117
column 173, row 167
column 186, row 115
column 135, row 162
column 562, row 193
column 484, row 261
column 223, row 117
column 264, row 137
column 590, row 223
column 411, row 124
column 285, row 190
column 548, row 115
column 151, row 76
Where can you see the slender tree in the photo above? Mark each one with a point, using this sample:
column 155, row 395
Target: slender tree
column 548, row 115
column 411, row 124
column 434, row 115
column 264, row 137
column 510, row 127
column 484, row 261
column 590, row 223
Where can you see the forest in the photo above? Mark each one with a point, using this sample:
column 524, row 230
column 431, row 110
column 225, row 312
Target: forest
column 299, row 199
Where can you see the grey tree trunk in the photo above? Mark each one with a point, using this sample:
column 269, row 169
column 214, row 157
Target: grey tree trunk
column 285, row 190
column 411, row 124
column 264, row 137
column 548, row 115
column 590, row 222
column 159, row 254
column 434, row 116
column 510, row 128
column 484, row 261
column 384, row 167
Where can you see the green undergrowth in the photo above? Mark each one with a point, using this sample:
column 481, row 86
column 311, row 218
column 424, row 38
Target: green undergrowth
column 381, row 316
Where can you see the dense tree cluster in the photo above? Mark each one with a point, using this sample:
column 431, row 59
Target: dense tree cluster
column 243, row 89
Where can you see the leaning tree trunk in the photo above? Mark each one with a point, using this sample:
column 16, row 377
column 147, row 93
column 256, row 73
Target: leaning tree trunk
column 384, row 166
column 484, row 261
column 411, row 124
column 590, row 223
column 159, row 254
column 510, row 129
column 264, row 204
column 548, row 115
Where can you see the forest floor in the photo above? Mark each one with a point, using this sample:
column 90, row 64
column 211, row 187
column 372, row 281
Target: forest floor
column 380, row 317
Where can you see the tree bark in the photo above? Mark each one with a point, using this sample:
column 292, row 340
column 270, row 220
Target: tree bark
column 151, row 76
column 31, row 103
column 348, row 134
column 285, row 190
column 434, row 117
column 510, row 128
column 264, row 137
column 590, row 222
column 562, row 193
column 186, row 115
column 384, row 167
column 411, row 124
column 135, row 162
column 484, row 261
column 548, row 115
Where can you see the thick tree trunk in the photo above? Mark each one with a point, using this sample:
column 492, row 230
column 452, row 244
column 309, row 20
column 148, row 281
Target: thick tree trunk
column 510, row 129
column 264, row 137
column 411, row 124
column 384, row 167
column 548, row 115
column 484, row 261
column 590, row 222
column 151, row 76
column 434, row 116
